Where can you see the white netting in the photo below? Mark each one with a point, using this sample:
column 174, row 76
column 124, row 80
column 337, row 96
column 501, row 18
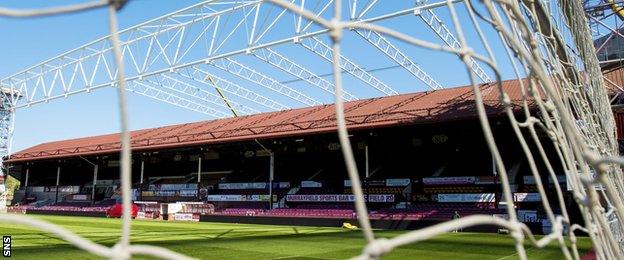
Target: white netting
column 563, row 96
column 565, row 83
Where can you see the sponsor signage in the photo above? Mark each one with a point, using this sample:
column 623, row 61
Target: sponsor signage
column 237, row 197
column 35, row 189
column 104, row 182
column 527, row 197
column 527, row 216
column 242, row 185
column 187, row 193
column 67, row 189
column 311, row 184
column 183, row 186
column 338, row 198
column 382, row 183
column 466, row 197
column 186, row 217
column 449, row 180
column 397, row 182
column 79, row 197
column 281, row 185
column 252, row 185
column 147, row 215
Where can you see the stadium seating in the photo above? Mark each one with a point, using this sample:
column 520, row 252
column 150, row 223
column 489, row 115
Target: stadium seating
column 70, row 208
column 74, row 204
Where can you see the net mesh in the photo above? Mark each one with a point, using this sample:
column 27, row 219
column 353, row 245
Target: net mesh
column 551, row 52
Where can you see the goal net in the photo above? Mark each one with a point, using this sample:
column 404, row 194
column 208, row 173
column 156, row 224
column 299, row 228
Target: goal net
column 551, row 52
column 548, row 47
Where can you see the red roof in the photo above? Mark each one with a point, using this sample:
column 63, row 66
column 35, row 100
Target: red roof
column 431, row 106
column 614, row 80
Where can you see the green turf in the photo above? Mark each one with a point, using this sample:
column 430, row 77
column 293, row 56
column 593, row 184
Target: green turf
column 244, row 241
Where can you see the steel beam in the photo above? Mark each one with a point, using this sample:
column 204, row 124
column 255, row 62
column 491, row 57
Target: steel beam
column 439, row 28
column 199, row 75
column 151, row 90
column 321, row 49
column 281, row 62
column 251, row 75
column 193, row 92
column 394, row 53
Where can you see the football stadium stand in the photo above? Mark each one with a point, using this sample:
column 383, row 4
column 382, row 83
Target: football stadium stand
column 413, row 150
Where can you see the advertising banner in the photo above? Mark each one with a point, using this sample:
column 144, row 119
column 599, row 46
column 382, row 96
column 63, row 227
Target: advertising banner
column 449, row 180
column 79, row 197
column 182, row 186
column 237, row 197
column 338, row 198
column 527, row 197
column 369, row 183
column 188, row 193
column 397, row 182
column 527, row 215
column 466, row 197
column 67, row 189
column 147, row 215
column 242, row 185
column 311, row 184
column 186, row 217
column 281, row 185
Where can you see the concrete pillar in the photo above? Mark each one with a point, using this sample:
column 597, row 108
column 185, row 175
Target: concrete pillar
column 58, row 178
column 95, row 172
column 271, row 175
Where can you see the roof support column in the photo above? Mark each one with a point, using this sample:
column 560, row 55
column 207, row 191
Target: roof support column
column 26, row 183
column 271, row 175
column 199, row 166
column 58, row 178
column 26, row 178
column 366, row 168
column 95, row 172
column 141, row 180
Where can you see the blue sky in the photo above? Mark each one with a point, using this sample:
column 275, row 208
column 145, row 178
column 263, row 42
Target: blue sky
column 26, row 42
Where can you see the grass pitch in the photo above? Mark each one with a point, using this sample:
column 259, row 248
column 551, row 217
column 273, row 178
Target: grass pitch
column 243, row 241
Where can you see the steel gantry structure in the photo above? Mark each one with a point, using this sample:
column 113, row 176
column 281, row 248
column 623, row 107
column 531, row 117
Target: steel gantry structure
column 606, row 19
column 235, row 47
